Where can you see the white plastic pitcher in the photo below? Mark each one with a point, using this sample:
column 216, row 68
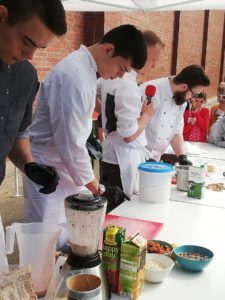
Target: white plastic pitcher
column 155, row 181
column 37, row 246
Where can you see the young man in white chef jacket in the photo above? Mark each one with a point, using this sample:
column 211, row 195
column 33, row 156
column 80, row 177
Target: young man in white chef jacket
column 166, row 125
column 124, row 118
column 63, row 119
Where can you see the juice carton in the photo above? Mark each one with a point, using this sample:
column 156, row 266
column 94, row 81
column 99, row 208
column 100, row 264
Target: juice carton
column 196, row 181
column 113, row 236
column 132, row 264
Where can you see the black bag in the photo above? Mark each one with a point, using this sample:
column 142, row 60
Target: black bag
column 94, row 148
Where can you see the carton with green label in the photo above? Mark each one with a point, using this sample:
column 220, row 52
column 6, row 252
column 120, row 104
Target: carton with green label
column 196, row 181
column 132, row 266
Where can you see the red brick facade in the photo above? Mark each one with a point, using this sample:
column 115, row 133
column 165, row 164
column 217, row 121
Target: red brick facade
column 88, row 27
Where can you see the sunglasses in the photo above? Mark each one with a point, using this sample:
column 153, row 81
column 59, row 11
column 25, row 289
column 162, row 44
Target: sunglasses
column 194, row 95
column 222, row 96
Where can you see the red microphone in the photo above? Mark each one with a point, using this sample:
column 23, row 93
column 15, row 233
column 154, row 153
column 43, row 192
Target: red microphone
column 150, row 92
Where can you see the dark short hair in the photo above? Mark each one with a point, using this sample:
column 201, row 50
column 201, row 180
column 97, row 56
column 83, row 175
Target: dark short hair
column 201, row 95
column 152, row 38
column 50, row 12
column 128, row 42
column 193, row 76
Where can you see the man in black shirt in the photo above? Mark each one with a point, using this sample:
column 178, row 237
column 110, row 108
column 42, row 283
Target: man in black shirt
column 25, row 26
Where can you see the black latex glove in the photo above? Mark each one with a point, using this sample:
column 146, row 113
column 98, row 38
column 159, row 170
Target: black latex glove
column 182, row 159
column 94, row 148
column 43, row 175
column 115, row 197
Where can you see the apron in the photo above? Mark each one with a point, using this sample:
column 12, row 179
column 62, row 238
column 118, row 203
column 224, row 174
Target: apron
column 128, row 160
column 48, row 208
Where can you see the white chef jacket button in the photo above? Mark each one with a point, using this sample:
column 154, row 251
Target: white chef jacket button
column 1, row 118
column 7, row 91
column 171, row 126
column 164, row 112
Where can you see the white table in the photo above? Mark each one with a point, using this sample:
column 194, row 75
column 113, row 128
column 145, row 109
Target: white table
column 207, row 151
column 185, row 223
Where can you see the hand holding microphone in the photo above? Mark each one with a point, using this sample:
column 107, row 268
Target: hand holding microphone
column 150, row 92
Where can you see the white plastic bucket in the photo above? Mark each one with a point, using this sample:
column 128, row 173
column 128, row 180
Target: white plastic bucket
column 155, row 181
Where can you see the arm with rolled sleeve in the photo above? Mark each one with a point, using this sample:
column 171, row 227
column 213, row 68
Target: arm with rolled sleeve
column 130, row 122
column 177, row 141
column 70, row 117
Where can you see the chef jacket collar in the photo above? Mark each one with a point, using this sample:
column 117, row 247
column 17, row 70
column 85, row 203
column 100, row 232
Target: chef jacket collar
column 90, row 57
column 132, row 75
column 167, row 91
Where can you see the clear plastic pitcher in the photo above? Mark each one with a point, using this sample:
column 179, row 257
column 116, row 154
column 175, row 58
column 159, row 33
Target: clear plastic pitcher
column 3, row 259
column 37, row 246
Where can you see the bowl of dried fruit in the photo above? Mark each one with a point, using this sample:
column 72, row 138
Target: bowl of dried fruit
column 159, row 247
column 192, row 257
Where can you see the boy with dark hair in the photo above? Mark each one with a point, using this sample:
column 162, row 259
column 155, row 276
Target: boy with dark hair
column 26, row 25
column 166, row 125
column 63, row 119
column 125, row 117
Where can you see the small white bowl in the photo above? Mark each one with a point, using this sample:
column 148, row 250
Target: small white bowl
column 157, row 267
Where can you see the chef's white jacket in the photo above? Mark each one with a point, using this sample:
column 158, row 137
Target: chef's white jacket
column 167, row 120
column 128, row 104
column 58, row 134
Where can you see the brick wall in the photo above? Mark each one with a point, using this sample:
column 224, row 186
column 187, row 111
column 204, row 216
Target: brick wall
column 45, row 59
column 190, row 39
column 213, row 53
column 88, row 27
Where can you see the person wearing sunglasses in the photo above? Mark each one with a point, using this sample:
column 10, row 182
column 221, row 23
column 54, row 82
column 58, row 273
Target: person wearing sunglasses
column 196, row 120
column 165, row 128
column 218, row 110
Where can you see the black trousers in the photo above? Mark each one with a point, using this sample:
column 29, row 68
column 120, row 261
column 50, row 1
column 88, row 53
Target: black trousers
column 110, row 176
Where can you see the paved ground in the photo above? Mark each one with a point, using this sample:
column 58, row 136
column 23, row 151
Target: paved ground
column 11, row 207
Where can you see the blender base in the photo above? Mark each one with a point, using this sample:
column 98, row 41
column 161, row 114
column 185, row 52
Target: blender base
column 67, row 271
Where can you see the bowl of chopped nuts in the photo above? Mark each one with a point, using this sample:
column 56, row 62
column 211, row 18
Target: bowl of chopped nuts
column 192, row 257
column 157, row 267
column 159, row 247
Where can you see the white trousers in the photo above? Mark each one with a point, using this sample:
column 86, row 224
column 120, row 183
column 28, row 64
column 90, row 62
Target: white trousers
column 48, row 208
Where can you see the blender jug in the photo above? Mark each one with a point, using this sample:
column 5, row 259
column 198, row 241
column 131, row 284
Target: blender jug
column 37, row 246
column 85, row 215
column 85, row 218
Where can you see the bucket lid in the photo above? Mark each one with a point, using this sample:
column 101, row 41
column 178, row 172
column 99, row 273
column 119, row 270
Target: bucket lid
column 156, row 167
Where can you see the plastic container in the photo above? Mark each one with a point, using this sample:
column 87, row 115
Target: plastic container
column 155, row 181
column 37, row 246
column 182, row 178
